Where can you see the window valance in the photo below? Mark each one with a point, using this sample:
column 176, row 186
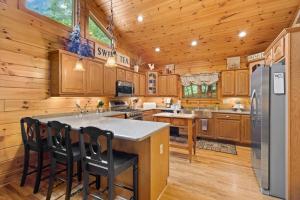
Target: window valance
column 199, row 79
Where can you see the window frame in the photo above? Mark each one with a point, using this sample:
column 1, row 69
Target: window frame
column 210, row 100
column 21, row 6
column 100, row 25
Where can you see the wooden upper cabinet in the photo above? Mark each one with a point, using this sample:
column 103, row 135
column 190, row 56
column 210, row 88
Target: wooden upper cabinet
column 121, row 74
column 110, row 78
column 136, row 83
column 278, row 50
column 246, row 136
column 162, row 85
column 172, row 85
column 94, row 78
column 71, row 81
column 242, row 83
column 268, row 58
column 228, row 83
column 142, row 85
column 129, row 76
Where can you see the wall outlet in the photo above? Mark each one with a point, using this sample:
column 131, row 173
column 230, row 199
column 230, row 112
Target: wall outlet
column 161, row 148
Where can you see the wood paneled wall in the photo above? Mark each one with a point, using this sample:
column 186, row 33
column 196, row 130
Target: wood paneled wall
column 25, row 41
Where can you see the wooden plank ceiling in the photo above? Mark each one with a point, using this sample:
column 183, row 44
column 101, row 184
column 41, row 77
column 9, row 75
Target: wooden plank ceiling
column 173, row 24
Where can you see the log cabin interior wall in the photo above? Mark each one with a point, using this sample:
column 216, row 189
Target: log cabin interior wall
column 25, row 41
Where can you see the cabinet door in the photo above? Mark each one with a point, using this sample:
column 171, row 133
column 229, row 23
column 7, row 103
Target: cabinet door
column 209, row 133
column 172, row 85
column 228, row 129
column 142, row 85
column 246, row 130
column 162, row 85
column 110, row 78
column 94, row 78
column 136, row 83
column 121, row 74
column 72, row 82
column 242, row 83
column 228, row 83
column 129, row 76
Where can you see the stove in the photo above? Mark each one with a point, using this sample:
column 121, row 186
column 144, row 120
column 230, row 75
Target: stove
column 122, row 106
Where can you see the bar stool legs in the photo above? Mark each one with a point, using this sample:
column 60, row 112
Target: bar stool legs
column 51, row 178
column 39, row 172
column 25, row 166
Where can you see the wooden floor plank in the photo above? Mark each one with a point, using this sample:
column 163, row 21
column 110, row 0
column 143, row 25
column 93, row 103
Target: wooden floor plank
column 211, row 176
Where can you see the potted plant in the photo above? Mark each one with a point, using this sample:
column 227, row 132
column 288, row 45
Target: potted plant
column 100, row 106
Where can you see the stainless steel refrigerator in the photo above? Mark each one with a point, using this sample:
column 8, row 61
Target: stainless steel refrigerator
column 268, row 128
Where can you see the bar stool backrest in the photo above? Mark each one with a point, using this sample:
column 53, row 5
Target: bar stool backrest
column 59, row 139
column 30, row 130
column 92, row 151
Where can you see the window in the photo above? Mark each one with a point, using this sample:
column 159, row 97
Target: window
column 59, row 10
column 200, row 91
column 97, row 33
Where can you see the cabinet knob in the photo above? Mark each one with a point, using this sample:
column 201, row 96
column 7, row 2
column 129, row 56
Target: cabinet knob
column 227, row 116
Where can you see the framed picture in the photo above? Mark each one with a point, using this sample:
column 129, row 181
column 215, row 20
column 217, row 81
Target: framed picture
column 234, row 62
column 296, row 23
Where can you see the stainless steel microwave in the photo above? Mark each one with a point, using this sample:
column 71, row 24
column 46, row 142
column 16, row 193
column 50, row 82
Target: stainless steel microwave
column 124, row 89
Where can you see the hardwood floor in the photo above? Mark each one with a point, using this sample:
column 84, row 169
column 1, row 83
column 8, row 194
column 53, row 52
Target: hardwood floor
column 211, row 176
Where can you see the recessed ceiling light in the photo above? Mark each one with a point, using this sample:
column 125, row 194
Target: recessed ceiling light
column 242, row 34
column 194, row 43
column 140, row 18
column 157, row 49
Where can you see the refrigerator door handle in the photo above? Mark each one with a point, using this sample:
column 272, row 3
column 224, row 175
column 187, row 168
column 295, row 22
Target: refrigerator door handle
column 253, row 110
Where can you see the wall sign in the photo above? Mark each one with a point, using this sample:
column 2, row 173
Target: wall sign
column 257, row 56
column 104, row 52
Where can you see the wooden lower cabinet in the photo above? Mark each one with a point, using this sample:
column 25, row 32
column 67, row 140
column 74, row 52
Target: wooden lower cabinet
column 228, row 127
column 246, row 136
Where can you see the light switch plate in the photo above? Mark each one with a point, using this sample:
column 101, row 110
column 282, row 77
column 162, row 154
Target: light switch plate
column 161, row 148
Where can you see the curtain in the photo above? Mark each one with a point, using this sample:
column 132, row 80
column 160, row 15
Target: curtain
column 199, row 79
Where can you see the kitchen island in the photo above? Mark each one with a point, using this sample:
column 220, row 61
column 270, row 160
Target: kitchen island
column 149, row 140
column 181, row 121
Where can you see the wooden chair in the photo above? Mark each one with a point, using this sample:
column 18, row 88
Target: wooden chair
column 108, row 163
column 62, row 151
column 32, row 140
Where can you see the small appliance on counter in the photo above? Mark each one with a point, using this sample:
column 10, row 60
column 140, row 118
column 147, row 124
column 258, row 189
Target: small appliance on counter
column 238, row 107
column 168, row 102
column 149, row 105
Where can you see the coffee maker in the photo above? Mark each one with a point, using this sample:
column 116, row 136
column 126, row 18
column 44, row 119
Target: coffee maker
column 168, row 102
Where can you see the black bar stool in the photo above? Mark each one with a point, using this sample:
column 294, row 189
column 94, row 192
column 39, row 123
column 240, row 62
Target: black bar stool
column 62, row 151
column 109, row 163
column 32, row 140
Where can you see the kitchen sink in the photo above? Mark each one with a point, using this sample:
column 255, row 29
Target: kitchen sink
column 200, row 113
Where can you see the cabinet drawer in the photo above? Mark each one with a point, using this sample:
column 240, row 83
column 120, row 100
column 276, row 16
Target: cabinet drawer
column 228, row 116
column 278, row 50
column 163, row 119
column 148, row 112
column 179, row 122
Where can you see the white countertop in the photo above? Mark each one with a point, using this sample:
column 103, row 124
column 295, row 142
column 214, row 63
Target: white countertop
column 172, row 115
column 127, row 129
column 214, row 111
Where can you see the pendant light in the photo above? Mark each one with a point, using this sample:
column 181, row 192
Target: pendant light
column 112, row 59
column 79, row 64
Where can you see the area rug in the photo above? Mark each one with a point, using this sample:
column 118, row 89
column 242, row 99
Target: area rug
column 217, row 146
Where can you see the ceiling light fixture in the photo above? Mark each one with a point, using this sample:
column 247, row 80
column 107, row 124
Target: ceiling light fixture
column 79, row 65
column 157, row 49
column 140, row 18
column 112, row 59
column 194, row 43
column 242, row 34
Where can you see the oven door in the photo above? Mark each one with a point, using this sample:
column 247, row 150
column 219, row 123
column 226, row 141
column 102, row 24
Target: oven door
column 124, row 89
